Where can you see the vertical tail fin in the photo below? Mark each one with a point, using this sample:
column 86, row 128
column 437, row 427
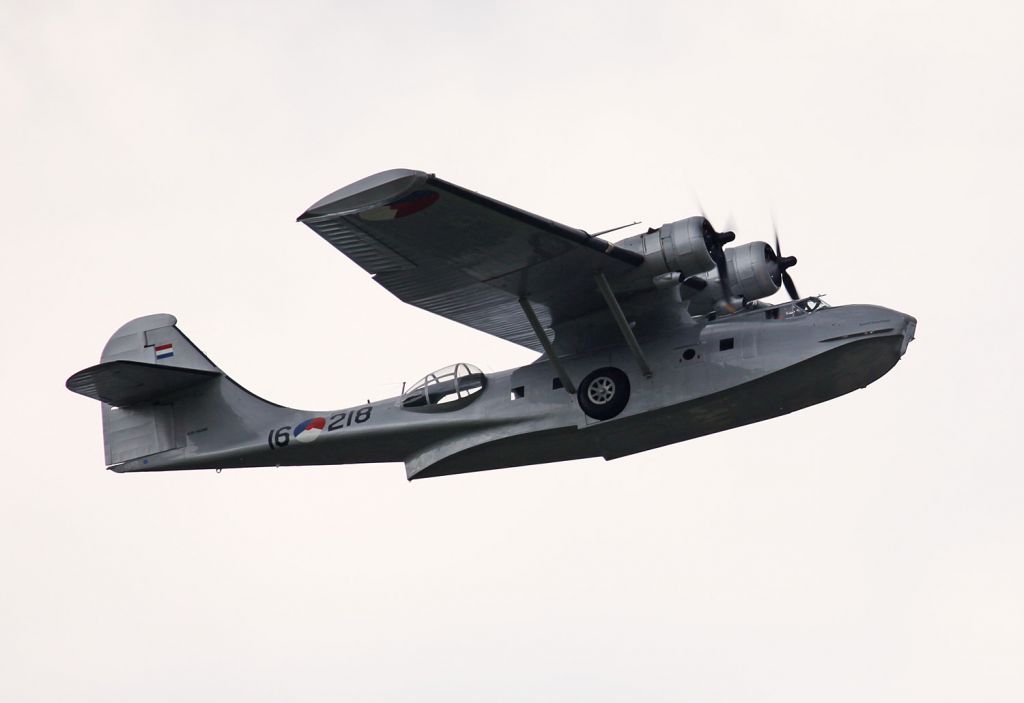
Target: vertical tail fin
column 155, row 339
column 154, row 384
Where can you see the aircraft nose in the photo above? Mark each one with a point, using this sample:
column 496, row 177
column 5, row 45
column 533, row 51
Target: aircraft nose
column 909, row 328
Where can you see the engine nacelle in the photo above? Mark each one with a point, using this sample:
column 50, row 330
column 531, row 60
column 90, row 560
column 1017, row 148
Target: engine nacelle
column 753, row 271
column 677, row 246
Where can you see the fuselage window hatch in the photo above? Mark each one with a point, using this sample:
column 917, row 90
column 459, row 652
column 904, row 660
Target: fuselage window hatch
column 518, row 392
column 449, row 388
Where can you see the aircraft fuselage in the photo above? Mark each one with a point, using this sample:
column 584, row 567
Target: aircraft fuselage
column 706, row 377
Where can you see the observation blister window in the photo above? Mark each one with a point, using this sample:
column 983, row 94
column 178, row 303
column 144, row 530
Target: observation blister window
column 449, row 388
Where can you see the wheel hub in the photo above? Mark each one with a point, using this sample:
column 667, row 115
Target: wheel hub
column 601, row 390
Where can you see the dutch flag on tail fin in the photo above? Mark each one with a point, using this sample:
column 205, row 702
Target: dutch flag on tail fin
column 164, row 351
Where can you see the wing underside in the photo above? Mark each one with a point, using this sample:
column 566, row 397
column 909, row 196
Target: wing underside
column 464, row 256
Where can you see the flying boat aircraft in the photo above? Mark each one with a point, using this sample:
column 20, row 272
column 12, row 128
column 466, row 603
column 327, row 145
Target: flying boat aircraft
column 658, row 338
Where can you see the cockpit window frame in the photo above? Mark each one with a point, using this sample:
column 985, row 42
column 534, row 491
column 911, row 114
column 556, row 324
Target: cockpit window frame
column 449, row 388
column 788, row 310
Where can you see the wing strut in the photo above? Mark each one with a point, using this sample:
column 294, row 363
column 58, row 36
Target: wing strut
column 620, row 320
column 546, row 343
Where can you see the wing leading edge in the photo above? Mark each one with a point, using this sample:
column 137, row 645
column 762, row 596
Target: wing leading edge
column 465, row 256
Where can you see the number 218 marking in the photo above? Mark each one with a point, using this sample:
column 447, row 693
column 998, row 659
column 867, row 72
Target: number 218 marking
column 339, row 420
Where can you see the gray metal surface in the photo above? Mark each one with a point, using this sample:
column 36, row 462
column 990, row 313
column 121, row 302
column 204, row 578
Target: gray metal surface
column 128, row 382
column 166, row 406
column 743, row 368
column 464, row 256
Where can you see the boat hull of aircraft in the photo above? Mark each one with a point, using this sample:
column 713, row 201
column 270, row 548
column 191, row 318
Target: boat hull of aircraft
column 836, row 372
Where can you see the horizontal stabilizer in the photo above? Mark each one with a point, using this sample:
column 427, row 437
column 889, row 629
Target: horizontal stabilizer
column 124, row 383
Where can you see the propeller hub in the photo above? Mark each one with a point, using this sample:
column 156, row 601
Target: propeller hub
column 716, row 239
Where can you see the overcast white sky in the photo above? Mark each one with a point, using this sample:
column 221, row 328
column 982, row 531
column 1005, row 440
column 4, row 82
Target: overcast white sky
column 153, row 157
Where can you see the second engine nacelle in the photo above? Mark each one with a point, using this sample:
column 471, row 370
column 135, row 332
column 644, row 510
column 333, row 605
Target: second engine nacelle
column 753, row 271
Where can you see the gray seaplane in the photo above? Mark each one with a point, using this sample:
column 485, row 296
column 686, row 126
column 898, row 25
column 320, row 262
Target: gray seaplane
column 655, row 339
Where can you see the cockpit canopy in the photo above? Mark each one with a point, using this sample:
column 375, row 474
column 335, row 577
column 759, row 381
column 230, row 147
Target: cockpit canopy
column 450, row 388
column 797, row 308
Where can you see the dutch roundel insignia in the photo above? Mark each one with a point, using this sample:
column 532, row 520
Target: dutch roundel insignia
column 308, row 430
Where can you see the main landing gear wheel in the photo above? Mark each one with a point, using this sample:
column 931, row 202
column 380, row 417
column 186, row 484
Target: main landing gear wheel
column 604, row 393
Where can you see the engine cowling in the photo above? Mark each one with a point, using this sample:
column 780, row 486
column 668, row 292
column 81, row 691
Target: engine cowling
column 678, row 246
column 753, row 271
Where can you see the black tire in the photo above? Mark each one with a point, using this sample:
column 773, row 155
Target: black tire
column 604, row 393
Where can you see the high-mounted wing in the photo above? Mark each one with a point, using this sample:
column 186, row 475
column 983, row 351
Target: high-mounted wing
column 465, row 256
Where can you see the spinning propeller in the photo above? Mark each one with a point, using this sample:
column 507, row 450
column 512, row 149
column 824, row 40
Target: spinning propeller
column 715, row 242
column 782, row 263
